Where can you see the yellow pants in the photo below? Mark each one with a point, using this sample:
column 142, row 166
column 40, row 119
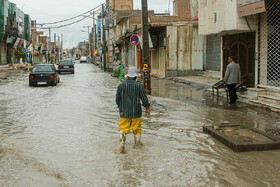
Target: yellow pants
column 126, row 123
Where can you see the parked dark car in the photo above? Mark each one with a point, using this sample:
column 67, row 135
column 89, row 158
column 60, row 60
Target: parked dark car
column 66, row 66
column 42, row 75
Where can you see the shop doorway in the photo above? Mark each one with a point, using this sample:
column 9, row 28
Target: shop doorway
column 242, row 47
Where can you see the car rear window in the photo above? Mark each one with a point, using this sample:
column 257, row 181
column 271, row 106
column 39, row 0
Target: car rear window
column 65, row 63
column 42, row 69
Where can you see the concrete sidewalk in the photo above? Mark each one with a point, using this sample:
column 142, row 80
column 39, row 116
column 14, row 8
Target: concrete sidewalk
column 204, row 78
column 197, row 80
column 255, row 96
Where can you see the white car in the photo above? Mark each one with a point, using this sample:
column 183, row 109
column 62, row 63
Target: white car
column 83, row 59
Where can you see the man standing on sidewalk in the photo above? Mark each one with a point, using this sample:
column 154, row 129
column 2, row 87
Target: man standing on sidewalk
column 128, row 97
column 232, row 77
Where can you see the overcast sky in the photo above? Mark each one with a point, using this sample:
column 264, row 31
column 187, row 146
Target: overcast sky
column 56, row 10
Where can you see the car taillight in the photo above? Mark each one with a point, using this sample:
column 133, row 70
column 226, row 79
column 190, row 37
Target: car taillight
column 60, row 66
column 31, row 77
column 71, row 66
column 52, row 76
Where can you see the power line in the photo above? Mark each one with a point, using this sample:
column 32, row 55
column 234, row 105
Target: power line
column 52, row 23
column 65, row 25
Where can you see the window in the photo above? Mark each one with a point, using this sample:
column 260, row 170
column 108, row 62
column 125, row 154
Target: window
column 66, row 63
column 42, row 69
column 215, row 17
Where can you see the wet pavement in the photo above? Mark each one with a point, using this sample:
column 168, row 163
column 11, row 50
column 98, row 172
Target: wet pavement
column 66, row 136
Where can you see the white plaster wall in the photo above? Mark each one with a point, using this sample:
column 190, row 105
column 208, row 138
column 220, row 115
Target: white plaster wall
column 228, row 19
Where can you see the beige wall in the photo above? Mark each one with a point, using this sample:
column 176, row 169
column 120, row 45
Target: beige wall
column 227, row 18
column 43, row 39
column 185, row 49
column 158, row 61
column 3, row 52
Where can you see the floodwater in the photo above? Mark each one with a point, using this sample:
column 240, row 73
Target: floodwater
column 66, row 136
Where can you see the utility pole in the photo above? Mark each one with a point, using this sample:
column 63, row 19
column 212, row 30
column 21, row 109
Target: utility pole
column 104, row 59
column 93, row 40
column 62, row 44
column 145, row 50
column 58, row 48
column 89, row 40
column 110, row 35
column 49, row 45
column 55, row 48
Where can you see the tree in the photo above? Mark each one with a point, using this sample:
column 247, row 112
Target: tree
column 19, row 54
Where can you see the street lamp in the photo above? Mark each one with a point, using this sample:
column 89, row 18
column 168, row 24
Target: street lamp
column 87, row 27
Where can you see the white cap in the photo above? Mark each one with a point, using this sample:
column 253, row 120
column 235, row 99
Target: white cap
column 132, row 72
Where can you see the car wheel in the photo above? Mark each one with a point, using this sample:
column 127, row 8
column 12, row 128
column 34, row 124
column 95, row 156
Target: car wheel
column 54, row 84
column 58, row 81
column 59, row 72
column 73, row 72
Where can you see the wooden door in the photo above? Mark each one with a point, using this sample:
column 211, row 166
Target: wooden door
column 242, row 47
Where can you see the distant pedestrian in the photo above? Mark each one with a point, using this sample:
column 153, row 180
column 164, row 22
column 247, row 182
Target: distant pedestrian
column 128, row 97
column 120, row 68
column 232, row 78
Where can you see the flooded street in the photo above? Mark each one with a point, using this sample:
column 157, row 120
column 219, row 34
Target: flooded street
column 66, row 136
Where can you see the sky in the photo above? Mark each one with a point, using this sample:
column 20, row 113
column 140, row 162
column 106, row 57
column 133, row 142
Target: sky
column 56, row 10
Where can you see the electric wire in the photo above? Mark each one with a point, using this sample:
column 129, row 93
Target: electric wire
column 65, row 25
column 56, row 22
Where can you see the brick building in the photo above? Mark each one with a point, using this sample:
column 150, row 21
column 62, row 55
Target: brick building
column 165, row 30
column 122, row 5
column 181, row 8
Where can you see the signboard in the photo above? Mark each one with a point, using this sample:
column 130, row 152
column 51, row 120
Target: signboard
column 23, row 50
column 134, row 39
column 20, row 24
column 28, row 54
column 100, row 51
column 17, row 42
column 146, row 67
column 99, row 35
column 194, row 9
column 250, row 7
column 28, row 60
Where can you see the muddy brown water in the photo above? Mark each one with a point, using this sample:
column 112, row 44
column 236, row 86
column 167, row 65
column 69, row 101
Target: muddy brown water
column 66, row 136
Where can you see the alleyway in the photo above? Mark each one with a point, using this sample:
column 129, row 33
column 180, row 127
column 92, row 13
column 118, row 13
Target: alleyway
column 66, row 135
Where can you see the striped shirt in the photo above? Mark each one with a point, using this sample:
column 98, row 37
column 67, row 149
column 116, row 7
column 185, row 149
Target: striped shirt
column 128, row 98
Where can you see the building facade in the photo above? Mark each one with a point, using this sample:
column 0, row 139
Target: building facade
column 228, row 34
column 14, row 31
column 165, row 30
column 269, row 38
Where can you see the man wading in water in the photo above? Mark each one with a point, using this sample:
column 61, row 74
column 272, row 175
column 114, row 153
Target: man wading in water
column 128, row 97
